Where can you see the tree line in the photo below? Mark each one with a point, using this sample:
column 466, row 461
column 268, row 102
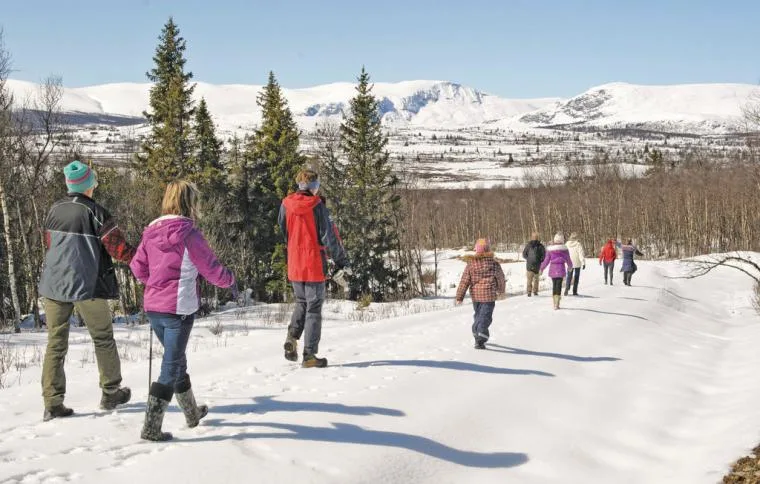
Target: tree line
column 673, row 213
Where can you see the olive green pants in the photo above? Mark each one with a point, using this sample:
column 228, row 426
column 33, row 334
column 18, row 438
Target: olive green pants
column 97, row 317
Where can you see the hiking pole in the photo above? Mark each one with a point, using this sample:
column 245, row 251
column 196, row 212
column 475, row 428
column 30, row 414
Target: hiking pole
column 150, row 359
column 150, row 351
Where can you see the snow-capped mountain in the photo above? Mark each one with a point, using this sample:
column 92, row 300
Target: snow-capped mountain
column 431, row 104
column 688, row 108
column 696, row 108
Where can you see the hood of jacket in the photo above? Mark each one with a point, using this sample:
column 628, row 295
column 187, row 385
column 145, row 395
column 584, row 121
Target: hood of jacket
column 168, row 231
column 301, row 203
column 572, row 244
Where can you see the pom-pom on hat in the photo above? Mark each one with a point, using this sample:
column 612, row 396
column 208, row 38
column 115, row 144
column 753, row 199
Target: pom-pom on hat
column 482, row 246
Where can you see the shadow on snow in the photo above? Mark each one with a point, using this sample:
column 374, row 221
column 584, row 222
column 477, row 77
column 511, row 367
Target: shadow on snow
column 583, row 359
column 266, row 404
column 353, row 434
column 626, row 315
column 447, row 365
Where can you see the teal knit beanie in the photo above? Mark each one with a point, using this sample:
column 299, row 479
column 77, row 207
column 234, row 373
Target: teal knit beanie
column 79, row 177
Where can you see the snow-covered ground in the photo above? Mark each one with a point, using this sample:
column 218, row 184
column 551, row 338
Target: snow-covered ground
column 654, row 383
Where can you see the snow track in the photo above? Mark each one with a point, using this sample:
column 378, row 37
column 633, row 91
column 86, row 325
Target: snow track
column 644, row 384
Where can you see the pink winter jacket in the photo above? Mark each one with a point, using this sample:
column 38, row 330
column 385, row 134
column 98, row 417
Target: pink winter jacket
column 171, row 255
column 557, row 256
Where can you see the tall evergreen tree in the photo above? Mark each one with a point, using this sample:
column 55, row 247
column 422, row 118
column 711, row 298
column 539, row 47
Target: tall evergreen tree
column 208, row 150
column 367, row 214
column 167, row 153
column 277, row 139
column 272, row 161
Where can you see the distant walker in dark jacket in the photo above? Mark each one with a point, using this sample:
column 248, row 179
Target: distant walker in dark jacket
column 485, row 279
column 629, row 266
column 533, row 253
column 81, row 238
column 309, row 233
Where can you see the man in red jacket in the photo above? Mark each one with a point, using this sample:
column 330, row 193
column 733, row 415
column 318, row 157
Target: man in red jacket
column 607, row 257
column 309, row 234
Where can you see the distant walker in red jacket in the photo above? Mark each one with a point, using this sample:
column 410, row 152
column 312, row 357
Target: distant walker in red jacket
column 309, row 234
column 607, row 257
column 485, row 279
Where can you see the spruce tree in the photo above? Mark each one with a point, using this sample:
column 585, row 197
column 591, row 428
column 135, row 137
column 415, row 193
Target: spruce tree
column 273, row 160
column 167, row 153
column 208, row 151
column 368, row 213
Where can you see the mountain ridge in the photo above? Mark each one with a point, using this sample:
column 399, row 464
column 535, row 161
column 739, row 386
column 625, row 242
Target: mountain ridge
column 702, row 108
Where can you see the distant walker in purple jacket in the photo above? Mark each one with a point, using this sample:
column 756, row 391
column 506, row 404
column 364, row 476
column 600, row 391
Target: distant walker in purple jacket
column 629, row 266
column 559, row 262
column 169, row 259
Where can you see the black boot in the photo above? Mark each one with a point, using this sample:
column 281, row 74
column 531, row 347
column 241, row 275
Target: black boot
column 186, row 400
column 56, row 411
column 158, row 399
column 312, row 361
column 109, row 401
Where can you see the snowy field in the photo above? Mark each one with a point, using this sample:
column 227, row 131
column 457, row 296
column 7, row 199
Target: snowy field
column 445, row 135
column 655, row 383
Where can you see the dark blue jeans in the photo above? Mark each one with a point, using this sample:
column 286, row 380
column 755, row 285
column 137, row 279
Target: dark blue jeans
column 483, row 318
column 573, row 276
column 173, row 331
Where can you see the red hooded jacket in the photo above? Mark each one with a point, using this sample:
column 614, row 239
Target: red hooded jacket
column 305, row 222
column 608, row 253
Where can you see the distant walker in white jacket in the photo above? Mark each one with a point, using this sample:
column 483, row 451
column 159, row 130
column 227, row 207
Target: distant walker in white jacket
column 579, row 262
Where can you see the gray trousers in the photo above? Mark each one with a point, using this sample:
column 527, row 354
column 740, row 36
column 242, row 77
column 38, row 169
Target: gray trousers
column 307, row 315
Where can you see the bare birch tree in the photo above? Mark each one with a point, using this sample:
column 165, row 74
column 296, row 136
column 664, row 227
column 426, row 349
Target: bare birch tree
column 7, row 142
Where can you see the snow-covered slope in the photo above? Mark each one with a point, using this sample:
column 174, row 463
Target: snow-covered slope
column 692, row 108
column 649, row 384
column 432, row 104
column 701, row 108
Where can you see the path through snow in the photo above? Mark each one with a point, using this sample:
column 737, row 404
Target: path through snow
column 645, row 384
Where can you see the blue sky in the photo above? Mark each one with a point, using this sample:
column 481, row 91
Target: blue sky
column 513, row 48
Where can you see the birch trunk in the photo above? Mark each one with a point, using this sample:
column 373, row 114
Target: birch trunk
column 11, row 263
column 32, row 274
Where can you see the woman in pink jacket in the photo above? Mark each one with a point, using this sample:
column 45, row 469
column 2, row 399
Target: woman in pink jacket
column 557, row 258
column 169, row 259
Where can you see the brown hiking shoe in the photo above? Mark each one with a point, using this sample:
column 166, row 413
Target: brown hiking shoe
column 311, row 361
